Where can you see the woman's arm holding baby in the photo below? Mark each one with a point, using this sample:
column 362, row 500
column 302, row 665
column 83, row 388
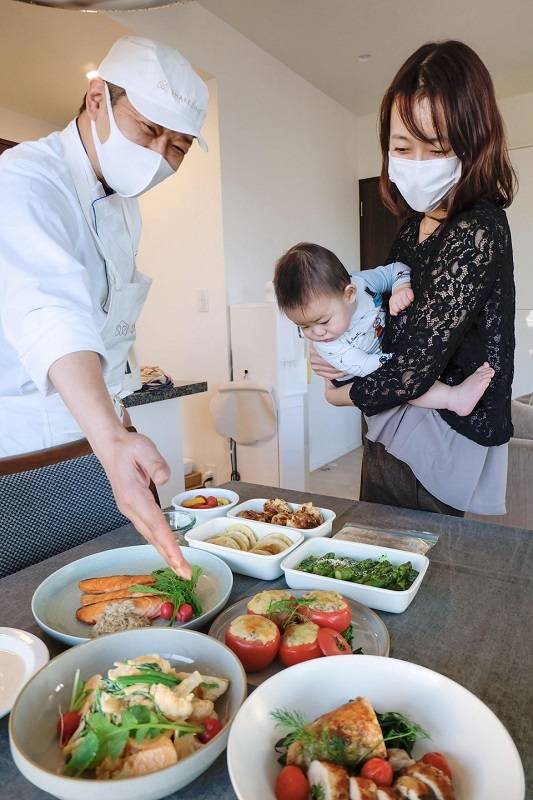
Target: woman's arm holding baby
column 337, row 396
column 442, row 312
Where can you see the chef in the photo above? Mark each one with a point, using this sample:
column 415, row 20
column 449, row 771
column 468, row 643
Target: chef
column 70, row 293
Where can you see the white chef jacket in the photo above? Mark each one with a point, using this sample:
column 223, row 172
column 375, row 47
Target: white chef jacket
column 54, row 281
column 357, row 352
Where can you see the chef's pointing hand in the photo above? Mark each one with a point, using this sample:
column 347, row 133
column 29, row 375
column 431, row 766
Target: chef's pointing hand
column 129, row 459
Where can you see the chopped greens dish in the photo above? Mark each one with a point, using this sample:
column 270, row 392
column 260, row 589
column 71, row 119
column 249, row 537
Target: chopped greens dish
column 139, row 718
column 370, row 571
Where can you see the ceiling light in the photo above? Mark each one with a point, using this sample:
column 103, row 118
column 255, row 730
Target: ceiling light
column 93, row 73
column 363, row 57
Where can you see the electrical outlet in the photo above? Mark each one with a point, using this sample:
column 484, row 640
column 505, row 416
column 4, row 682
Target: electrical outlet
column 202, row 300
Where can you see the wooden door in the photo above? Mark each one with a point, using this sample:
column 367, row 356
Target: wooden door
column 378, row 226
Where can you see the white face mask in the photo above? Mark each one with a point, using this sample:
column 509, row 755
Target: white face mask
column 127, row 167
column 423, row 184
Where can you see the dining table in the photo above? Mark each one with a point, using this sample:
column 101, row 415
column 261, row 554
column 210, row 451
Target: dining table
column 471, row 620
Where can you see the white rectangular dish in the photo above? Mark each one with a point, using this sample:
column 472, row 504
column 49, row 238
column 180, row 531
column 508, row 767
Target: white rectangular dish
column 267, row 568
column 371, row 596
column 258, row 504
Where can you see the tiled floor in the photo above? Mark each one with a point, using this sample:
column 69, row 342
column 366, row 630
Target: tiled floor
column 340, row 478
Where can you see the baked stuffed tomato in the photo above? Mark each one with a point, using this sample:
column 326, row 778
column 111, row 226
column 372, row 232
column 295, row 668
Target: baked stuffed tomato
column 327, row 610
column 255, row 641
column 264, row 604
column 299, row 643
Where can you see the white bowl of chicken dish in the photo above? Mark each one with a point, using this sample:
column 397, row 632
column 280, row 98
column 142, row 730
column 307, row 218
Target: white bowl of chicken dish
column 129, row 716
column 370, row 728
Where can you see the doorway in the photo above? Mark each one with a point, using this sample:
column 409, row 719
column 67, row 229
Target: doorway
column 378, row 226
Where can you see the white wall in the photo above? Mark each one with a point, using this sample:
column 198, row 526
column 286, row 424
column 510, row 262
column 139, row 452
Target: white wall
column 288, row 169
column 182, row 250
column 18, row 127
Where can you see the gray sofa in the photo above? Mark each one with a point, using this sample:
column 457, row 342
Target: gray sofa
column 520, row 474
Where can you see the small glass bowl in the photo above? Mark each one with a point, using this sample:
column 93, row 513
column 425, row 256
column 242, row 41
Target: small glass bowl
column 180, row 522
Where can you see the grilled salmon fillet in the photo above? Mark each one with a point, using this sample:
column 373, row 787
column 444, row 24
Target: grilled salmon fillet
column 121, row 594
column 354, row 722
column 147, row 606
column 113, row 583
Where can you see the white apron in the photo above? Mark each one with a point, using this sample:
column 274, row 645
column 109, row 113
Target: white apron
column 31, row 421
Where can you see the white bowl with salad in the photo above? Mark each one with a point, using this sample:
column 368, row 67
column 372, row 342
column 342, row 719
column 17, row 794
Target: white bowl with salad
column 379, row 577
column 363, row 727
column 133, row 716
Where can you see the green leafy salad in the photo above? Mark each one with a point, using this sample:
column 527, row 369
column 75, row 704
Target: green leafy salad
column 140, row 717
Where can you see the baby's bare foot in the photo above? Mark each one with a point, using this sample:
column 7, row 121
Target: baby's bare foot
column 465, row 396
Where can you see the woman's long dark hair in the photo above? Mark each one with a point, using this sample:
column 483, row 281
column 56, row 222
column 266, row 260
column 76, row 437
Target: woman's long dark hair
column 458, row 86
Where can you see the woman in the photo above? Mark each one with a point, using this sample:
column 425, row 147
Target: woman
column 444, row 156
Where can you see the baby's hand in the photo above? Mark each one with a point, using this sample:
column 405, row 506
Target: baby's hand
column 400, row 300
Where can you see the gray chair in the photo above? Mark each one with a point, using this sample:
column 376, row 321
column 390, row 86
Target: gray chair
column 520, row 473
column 52, row 500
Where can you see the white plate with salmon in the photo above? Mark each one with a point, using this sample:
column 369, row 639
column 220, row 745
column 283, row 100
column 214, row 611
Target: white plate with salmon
column 126, row 588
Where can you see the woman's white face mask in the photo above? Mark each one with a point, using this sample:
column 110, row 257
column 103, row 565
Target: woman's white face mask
column 128, row 168
column 424, row 184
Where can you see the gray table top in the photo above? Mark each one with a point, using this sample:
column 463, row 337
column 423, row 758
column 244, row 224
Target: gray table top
column 471, row 619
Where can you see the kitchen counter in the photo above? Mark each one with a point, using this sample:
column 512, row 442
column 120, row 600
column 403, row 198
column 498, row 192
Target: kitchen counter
column 181, row 389
column 471, row 619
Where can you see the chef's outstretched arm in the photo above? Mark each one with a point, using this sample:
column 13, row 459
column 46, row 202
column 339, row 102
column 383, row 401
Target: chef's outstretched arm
column 129, row 459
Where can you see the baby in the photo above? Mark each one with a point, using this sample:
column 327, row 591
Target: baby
column 343, row 316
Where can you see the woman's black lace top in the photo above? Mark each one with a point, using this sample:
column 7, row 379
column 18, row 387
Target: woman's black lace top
column 462, row 315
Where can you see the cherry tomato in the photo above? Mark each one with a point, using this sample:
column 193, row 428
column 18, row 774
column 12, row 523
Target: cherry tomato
column 185, row 613
column 212, row 726
column 291, row 784
column 212, row 502
column 254, row 640
column 338, row 618
column 379, row 771
column 299, row 643
column 66, row 725
column 331, row 643
column 437, row 760
column 166, row 610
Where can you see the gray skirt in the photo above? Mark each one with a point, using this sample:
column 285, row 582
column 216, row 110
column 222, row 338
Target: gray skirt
column 456, row 470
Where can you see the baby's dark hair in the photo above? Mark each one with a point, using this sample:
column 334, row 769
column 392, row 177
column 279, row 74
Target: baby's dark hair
column 306, row 271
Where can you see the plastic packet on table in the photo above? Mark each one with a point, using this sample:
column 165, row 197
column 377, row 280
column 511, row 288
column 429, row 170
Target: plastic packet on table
column 412, row 541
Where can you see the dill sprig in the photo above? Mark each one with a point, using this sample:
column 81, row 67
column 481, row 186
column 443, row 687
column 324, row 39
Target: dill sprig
column 319, row 743
column 176, row 589
column 316, row 743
